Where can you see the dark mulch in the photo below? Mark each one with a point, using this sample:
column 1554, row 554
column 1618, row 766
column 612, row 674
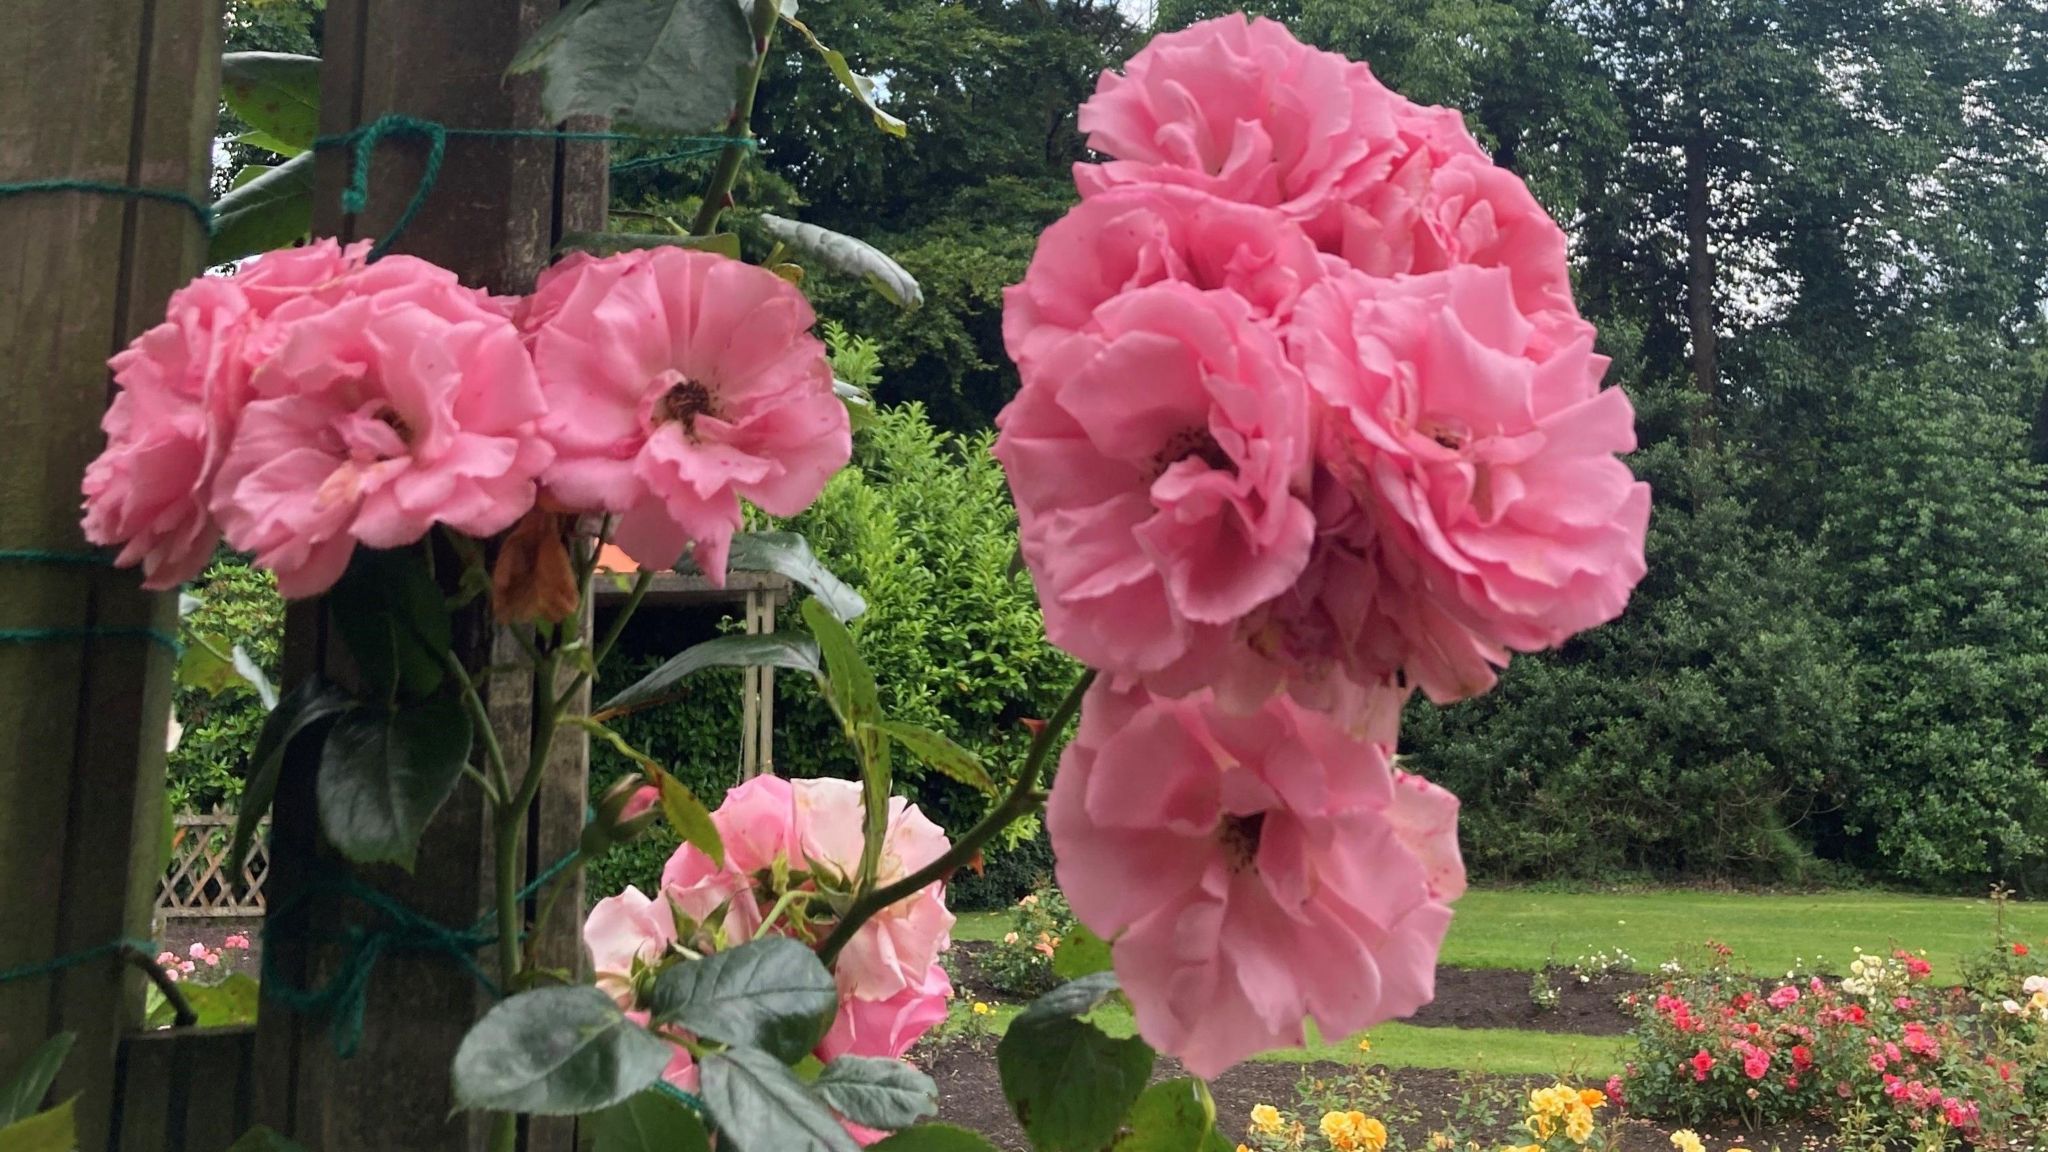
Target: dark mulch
column 1424, row 1100
column 1465, row 997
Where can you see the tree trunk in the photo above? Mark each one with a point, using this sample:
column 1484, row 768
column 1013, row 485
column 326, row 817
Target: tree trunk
column 493, row 217
column 121, row 92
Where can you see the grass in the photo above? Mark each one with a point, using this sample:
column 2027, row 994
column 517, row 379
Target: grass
column 1505, row 1052
column 1523, row 928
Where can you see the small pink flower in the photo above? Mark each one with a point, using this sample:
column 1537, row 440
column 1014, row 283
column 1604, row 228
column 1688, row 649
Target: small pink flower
column 756, row 822
column 1158, row 460
column 888, row 1027
column 895, row 950
column 187, row 967
column 1251, row 869
column 1702, row 1063
column 1784, row 998
column 395, row 400
column 642, row 801
column 181, row 387
column 623, row 929
column 236, row 940
column 167, row 959
column 1756, row 1062
column 680, row 383
column 172, row 973
column 1133, row 236
column 197, row 951
column 1493, row 514
column 212, row 959
column 1241, row 110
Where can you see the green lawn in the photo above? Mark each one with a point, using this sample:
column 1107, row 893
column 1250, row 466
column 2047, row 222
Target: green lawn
column 1523, row 928
column 1503, row 1051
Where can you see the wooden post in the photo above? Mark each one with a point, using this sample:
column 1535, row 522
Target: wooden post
column 121, row 91
column 493, row 218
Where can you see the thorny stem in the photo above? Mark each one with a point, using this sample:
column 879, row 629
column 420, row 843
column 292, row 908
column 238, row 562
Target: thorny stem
column 500, row 783
column 762, row 22
column 1023, row 797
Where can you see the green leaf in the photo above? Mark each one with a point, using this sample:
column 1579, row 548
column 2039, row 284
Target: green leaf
column 232, row 1001
column 936, row 751
column 877, row 1093
column 863, row 89
column 274, row 210
column 204, row 667
column 651, row 1122
column 686, row 814
column 20, row 1098
column 52, row 1131
column 726, row 244
column 264, row 1139
column 660, row 65
column 394, row 620
column 1171, row 1116
column 1070, row 1084
column 313, row 703
column 843, row 253
column 771, row 993
column 275, row 93
column 1081, row 953
column 556, row 1052
column 383, row 775
column 934, row 1138
column 789, row 554
column 778, row 649
column 851, row 683
column 267, row 143
column 760, row 1106
column 248, row 172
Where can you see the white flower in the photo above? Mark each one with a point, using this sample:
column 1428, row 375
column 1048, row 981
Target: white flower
column 2012, row 1007
column 2033, row 984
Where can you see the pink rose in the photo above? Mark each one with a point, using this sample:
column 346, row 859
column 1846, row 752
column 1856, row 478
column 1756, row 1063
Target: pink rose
column 896, row 949
column 1133, row 236
column 678, row 383
column 1158, row 459
column 888, row 1027
column 1242, row 110
column 1251, row 869
column 181, row 387
column 1783, row 998
column 623, row 929
column 1491, row 513
column 1425, row 820
column 403, row 402
column 756, row 822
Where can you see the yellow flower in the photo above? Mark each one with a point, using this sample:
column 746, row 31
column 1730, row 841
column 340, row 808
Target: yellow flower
column 1441, row 1141
column 1541, row 1126
column 1686, row 1140
column 1353, row 1132
column 1266, row 1120
column 1242, row 1148
column 981, row 1009
column 1579, row 1125
column 1370, row 1135
column 1365, row 1043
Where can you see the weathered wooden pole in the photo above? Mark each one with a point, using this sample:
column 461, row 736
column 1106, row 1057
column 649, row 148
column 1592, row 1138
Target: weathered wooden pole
column 122, row 92
column 493, row 217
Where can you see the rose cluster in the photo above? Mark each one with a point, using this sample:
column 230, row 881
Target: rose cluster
column 789, row 845
column 316, row 401
column 1308, row 419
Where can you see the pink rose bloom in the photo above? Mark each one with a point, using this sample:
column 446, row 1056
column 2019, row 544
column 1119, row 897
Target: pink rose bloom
column 896, row 949
column 406, row 402
column 275, row 279
column 1242, row 110
column 1480, row 451
column 1783, row 998
column 679, row 383
column 623, row 929
column 181, row 386
column 1133, row 236
column 1254, row 870
column 756, row 822
column 1155, row 517
column 888, row 1027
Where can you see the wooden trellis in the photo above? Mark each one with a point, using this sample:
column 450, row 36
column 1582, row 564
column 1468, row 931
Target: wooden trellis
column 197, row 882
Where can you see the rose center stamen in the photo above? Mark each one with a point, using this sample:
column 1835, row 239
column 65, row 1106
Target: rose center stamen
column 1240, row 839
column 683, row 403
column 1192, row 443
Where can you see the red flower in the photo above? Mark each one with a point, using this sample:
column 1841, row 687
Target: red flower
column 1802, row 1057
column 1701, row 1065
column 2019, row 949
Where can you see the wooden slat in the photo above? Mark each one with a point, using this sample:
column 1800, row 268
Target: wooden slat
column 120, row 91
column 493, row 219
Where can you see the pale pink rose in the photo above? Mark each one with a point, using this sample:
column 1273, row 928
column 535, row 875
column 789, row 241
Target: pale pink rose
column 236, row 940
column 378, row 416
column 680, row 383
column 197, row 951
column 1480, row 451
column 186, row 966
column 1425, row 820
column 1159, row 459
column 888, row 1027
column 1242, row 110
column 897, row 948
column 622, row 929
column 1132, row 236
column 756, row 823
column 1251, row 870
column 181, row 387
